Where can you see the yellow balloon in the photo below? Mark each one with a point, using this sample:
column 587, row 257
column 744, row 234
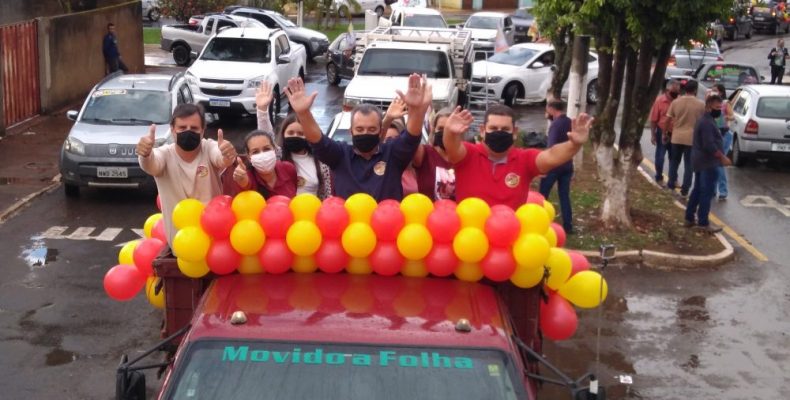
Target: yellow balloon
column 304, row 264
column 416, row 207
column 585, row 289
column 470, row 245
column 359, row 266
column 358, row 239
column 469, row 272
column 550, row 210
column 414, row 269
column 156, row 299
column 533, row 218
column 415, row 241
column 193, row 269
column 250, row 265
column 473, row 212
column 551, row 237
column 148, row 227
column 187, row 213
column 305, row 206
column 559, row 267
column 191, row 244
column 247, row 237
column 531, row 250
column 248, row 205
column 126, row 255
column 360, row 207
column 527, row 277
column 303, row 238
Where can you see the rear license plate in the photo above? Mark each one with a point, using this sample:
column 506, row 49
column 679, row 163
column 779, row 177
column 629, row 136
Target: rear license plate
column 780, row 147
column 219, row 103
column 759, row 18
column 112, row 172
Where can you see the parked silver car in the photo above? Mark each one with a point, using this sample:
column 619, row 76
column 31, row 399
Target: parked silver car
column 762, row 122
column 686, row 59
column 100, row 150
column 151, row 10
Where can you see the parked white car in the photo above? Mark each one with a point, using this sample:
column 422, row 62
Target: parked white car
column 762, row 123
column 344, row 7
column 484, row 26
column 522, row 73
column 233, row 64
column 417, row 17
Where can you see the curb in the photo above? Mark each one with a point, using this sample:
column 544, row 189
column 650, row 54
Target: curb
column 9, row 212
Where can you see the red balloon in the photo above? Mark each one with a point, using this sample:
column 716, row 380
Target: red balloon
column 159, row 231
column 334, row 200
column 560, row 232
column 278, row 199
column 159, row 202
column 558, row 319
column 276, row 219
column 275, row 257
column 535, row 198
column 443, row 223
column 144, row 255
column 441, row 261
column 387, row 221
column 389, row 203
column 222, row 200
column 499, row 264
column 123, row 282
column 331, row 257
column 385, row 259
column 578, row 262
column 218, row 219
column 221, row 258
column 445, row 203
column 502, row 227
column 332, row 219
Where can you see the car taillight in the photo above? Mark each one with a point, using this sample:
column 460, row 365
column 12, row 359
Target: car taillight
column 773, row 13
column 751, row 127
column 719, row 58
column 732, row 20
column 672, row 61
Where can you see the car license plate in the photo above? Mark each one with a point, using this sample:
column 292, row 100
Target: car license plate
column 780, row 147
column 112, row 172
column 759, row 18
column 219, row 103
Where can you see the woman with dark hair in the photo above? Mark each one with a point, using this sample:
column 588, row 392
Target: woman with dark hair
column 435, row 177
column 312, row 176
column 261, row 171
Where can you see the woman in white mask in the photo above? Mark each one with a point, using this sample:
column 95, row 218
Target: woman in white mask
column 264, row 173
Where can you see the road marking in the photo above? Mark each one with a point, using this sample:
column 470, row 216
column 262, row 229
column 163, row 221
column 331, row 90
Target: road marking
column 81, row 233
column 766, row 202
column 726, row 228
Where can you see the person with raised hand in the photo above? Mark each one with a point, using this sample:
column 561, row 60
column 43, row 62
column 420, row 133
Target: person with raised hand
column 312, row 176
column 264, row 174
column 188, row 168
column 368, row 165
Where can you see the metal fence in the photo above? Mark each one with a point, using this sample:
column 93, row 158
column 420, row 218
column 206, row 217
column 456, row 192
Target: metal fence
column 19, row 63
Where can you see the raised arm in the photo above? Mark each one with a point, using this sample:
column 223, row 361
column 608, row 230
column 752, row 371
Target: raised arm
column 149, row 161
column 301, row 102
column 454, row 129
column 263, row 97
column 561, row 153
column 397, row 109
column 417, row 98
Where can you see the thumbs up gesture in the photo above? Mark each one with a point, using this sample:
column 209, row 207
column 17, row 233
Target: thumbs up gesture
column 146, row 143
column 226, row 148
column 240, row 173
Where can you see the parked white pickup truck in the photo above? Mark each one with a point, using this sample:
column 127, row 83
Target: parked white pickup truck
column 233, row 64
column 186, row 41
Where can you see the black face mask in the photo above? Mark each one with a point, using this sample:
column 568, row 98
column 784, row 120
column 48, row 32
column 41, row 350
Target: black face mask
column 715, row 113
column 295, row 144
column 499, row 141
column 366, row 142
column 188, row 140
column 673, row 95
column 438, row 139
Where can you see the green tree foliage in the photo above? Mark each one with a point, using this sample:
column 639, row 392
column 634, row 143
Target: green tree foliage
column 181, row 10
column 556, row 21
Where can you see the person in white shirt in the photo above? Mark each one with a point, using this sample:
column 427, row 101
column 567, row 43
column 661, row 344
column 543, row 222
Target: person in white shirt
column 312, row 176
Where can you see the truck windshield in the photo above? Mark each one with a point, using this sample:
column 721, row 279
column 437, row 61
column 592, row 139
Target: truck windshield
column 237, row 49
column 127, row 107
column 482, row 22
column 402, row 62
column 424, row 21
column 214, row 369
column 513, row 56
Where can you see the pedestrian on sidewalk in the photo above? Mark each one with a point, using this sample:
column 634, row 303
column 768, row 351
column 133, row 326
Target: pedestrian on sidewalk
column 682, row 116
column 660, row 130
column 778, row 59
column 112, row 56
column 723, row 122
column 707, row 155
column 561, row 175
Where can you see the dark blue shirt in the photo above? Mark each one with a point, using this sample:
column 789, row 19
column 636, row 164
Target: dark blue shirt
column 379, row 177
column 707, row 145
column 558, row 133
column 110, row 47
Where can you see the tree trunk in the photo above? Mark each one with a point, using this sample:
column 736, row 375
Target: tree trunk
column 563, row 55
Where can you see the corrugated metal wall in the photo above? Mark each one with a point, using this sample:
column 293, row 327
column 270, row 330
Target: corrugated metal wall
column 19, row 61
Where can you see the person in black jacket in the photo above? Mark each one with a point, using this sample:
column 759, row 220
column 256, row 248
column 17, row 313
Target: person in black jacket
column 112, row 56
column 707, row 154
column 778, row 59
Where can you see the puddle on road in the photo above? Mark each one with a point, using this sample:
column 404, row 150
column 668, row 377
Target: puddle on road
column 60, row 357
column 39, row 255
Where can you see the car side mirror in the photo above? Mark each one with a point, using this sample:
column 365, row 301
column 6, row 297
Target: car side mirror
column 72, row 114
column 537, row 64
column 762, row 78
column 283, row 59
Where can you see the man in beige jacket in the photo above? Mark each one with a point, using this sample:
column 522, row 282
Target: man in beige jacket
column 682, row 116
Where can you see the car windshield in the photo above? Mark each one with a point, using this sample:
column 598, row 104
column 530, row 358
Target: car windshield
column 127, row 107
column 731, row 76
column 237, row 49
column 523, row 13
column 285, row 21
column 214, row 369
column 513, row 56
column 774, row 107
column 401, row 62
column 482, row 22
column 425, row 21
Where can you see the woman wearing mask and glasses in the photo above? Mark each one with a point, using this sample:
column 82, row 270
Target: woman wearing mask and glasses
column 312, row 176
column 264, row 173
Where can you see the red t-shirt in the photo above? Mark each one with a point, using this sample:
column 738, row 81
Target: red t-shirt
column 506, row 183
column 426, row 175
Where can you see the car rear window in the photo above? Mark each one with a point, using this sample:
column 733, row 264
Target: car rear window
column 236, row 49
column 774, row 107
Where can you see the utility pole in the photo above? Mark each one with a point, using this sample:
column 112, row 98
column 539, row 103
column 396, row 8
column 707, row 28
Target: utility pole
column 577, row 90
column 300, row 14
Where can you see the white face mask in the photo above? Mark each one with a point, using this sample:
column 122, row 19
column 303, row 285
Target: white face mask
column 264, row 161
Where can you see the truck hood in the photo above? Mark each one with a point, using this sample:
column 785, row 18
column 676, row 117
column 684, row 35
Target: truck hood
column 383, row 87
column 483, row 68
column 482, row 34
column 229, row 69
column 116, row 134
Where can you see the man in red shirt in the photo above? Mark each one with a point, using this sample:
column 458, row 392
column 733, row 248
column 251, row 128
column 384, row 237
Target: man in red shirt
column 661, row 128
column 494, row 170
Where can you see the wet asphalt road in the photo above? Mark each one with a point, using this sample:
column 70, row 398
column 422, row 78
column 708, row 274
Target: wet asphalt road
column 677, row 334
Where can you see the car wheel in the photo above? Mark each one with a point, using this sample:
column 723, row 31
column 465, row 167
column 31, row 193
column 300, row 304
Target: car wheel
column 738, row 158
column 181, row 55
column 71, row 190
column 777, row 29
column 331, row 73
column 510, row 94
column 379, row 11
column 154, row 14
column 307, row 51
column 592, row 92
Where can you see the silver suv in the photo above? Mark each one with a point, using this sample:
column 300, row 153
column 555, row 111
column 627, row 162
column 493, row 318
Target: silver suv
column 762, row 122
column 100, row 150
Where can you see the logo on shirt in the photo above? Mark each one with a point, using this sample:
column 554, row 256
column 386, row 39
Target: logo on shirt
column 380, row 168
column 512, row 180
column 202, row 171
column 300, row 182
